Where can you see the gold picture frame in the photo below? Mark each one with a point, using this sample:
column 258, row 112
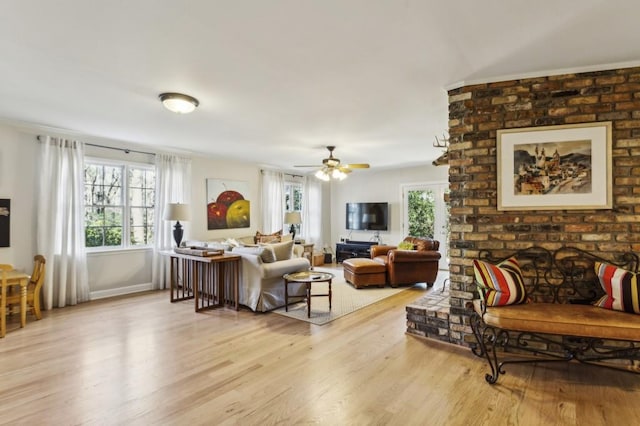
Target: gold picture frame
column 566, row 167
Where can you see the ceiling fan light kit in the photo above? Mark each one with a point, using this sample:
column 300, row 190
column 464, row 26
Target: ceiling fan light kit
column 332, row 169
column 338, row 174
column 322, row 175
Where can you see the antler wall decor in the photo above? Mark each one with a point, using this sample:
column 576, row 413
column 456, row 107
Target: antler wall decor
column 442, row 143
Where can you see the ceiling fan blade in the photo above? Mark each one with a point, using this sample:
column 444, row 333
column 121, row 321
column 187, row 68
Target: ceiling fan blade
column 332, row 163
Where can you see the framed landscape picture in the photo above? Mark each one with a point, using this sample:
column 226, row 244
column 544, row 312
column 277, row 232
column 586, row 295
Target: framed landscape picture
column 555, row 167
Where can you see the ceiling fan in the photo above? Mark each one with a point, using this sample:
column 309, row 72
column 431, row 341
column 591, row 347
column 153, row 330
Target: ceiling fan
column 332, row 168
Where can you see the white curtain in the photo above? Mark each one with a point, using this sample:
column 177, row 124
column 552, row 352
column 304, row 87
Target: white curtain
column 312, row 211
column 60, row 225
column 272, row 201
column 173, row 185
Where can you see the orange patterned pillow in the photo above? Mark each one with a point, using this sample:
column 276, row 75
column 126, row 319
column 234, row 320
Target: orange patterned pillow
column 268, row 238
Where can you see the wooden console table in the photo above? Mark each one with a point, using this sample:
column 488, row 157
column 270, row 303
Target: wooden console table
column 212, row 281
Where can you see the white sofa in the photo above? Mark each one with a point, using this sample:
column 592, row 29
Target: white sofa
column 261, row 283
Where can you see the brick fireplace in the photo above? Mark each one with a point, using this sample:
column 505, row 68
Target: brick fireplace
column 476, row 112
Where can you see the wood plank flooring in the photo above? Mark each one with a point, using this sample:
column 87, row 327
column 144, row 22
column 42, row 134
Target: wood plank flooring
column 141, row 360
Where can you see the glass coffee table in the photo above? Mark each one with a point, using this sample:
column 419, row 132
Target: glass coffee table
column 307, row 278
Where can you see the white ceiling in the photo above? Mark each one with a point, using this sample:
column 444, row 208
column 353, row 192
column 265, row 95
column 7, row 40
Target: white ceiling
column 280, row 79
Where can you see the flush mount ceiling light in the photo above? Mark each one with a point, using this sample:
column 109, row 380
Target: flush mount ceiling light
column 178, row 102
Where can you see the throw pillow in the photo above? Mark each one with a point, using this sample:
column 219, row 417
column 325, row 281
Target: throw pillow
column 283, row 251
column 267, row 238
column 267, row 255
column 622, row 288
column 406, row 245
column 500, row 284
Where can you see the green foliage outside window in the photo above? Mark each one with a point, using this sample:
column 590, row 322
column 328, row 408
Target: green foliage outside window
column 421, row 206
column 105, row 205
column 142, row 194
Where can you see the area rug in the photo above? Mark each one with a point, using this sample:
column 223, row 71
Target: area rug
column 346, row 299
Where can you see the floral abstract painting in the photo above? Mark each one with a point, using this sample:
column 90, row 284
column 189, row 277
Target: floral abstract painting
column 227, row 206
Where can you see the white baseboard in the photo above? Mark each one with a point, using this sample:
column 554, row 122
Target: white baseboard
column 102, row 294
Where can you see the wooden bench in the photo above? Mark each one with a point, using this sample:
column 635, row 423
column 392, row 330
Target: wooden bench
column 560, row 323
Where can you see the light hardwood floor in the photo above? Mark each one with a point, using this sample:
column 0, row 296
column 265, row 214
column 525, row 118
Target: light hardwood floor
column 141, row 360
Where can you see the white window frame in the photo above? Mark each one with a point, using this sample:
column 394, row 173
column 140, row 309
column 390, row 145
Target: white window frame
column 126, row 232
column 290, row 184
column 441, row 220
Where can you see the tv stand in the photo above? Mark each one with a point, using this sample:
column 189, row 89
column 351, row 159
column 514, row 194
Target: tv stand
column 350, row 249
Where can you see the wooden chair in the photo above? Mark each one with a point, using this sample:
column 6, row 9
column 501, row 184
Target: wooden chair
column 33, row 289
column 4, row 268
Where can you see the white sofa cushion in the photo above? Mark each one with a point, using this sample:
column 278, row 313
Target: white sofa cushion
column 283, row 251
column 265, row 253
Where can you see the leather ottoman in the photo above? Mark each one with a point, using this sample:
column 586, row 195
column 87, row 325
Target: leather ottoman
column 362, row 272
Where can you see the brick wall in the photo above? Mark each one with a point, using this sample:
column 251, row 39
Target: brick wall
column 477, row 112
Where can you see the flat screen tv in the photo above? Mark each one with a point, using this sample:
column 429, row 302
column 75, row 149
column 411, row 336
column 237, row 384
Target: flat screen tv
column 367, row 216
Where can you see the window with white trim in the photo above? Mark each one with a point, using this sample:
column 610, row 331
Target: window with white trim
column 119, row 204
column 293, row 192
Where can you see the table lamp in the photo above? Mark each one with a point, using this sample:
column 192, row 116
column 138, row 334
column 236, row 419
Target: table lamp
column 177, row 212
column 292, row 218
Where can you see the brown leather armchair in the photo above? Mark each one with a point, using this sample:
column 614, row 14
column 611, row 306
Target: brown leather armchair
column 409, row 266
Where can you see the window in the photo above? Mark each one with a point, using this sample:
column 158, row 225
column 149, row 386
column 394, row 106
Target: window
column 119, row 204
column 293, row 199
column 426, row 214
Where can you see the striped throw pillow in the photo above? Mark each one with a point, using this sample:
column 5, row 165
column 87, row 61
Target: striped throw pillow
column 622, row 288
column 500, row 284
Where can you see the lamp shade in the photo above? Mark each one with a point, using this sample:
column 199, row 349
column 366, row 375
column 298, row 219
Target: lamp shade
column 292, row 218
column 177, row 211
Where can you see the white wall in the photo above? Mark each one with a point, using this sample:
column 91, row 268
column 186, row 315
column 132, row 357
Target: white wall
column 117, row 272
column 373, row 185
column 18, row 175
column 124, row 271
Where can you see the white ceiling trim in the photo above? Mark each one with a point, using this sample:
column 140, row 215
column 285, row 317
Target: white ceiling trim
column 536, row 74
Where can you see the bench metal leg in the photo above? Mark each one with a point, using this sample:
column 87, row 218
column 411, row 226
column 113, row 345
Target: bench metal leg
column 491, row 340
column 487, row 339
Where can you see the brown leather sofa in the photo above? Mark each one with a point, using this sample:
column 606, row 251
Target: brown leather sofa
column 409, row 266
